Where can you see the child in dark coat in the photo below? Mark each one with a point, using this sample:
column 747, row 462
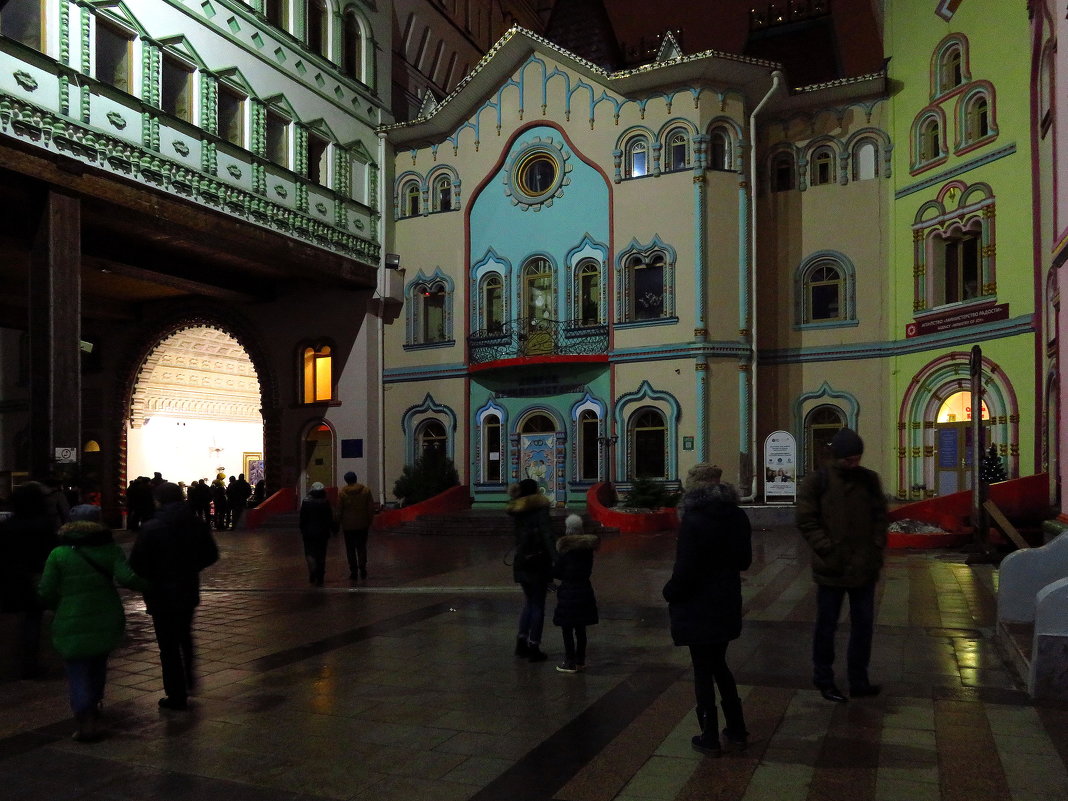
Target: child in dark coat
column 576, row 605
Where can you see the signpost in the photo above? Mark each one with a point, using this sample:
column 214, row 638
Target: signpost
column 780, row 467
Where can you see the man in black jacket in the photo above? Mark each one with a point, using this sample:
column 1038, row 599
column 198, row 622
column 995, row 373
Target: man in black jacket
column 170, row 551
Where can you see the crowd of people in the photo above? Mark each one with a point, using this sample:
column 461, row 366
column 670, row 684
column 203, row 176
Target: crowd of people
column 63, row 558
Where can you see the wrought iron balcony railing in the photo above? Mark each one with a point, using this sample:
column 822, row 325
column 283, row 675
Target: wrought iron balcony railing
column 535, row 336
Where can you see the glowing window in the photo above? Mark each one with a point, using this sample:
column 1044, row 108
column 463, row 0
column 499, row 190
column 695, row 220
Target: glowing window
column 318, row 374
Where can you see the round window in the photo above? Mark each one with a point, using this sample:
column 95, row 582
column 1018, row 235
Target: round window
column 536, row 174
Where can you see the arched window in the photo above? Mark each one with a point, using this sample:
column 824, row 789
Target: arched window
column 865, row 157
column 719, row 150
column 443, row 193
column 929, row 146
column 317, row 369
column 678, row 150
column 316, row 27
column 431, row 439
column 822, row 171
column 821, row 424
column 24, row 22
column 951, row 71
column 958, row 267
column 645, row 276
column 492, row 456
column 636, row 157
column 648, row 444
column 588, row 446
column 493, row 302
column 977, row 118
column 589, row 292
column 410, row 198
column 432, row 300
column 538, row 301
column 782, row 172
column 353, row 47
column 824, row 291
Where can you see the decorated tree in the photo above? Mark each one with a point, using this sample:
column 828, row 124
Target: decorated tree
column 992, row 468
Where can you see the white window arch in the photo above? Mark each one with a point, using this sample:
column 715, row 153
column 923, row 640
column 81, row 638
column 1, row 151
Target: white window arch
column 636, row 157
column 865, row 160
column 677, row 150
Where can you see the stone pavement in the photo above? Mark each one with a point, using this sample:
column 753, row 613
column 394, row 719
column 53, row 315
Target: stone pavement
column 405, row 687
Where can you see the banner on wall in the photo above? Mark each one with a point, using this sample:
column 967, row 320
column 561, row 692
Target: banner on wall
column 780, row 467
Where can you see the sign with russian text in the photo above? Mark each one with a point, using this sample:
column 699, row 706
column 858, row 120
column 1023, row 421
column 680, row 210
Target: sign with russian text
column 780, row 467
column 961, row 318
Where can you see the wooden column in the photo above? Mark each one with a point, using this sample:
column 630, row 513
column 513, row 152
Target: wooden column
column 55, row 332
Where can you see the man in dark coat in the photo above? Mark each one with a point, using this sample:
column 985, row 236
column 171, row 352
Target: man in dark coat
column 316, row 526
column 170, row 551
column 237, row 494
column 704, row 596
column 842, row 514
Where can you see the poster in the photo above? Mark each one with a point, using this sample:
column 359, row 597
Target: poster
column 780, row 467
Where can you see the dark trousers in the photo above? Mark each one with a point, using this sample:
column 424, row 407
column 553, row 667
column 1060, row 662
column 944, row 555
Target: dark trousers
column 710, row 671
column 356, row 551
column 574, row 644
column 861, row 624
column 174, row 634
column 315, row 556
column 85, row 681
column 236, row 511
column 532, row 618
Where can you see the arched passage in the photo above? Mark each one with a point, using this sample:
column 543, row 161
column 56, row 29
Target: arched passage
column 195, row 409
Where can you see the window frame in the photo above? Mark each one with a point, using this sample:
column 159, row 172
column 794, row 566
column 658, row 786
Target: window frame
column 314, row 356
column 36, row 21
column 178, row 64
column 490, row 325
column 124, row 63
column 782, row 163
column 724, row 160
column 586, row 270
column 677, row 138
column 353, row 47
column 634, row 457
column 588, row 447
column 409, row 198
column 635, row 144
column 275, row 121
column 822, row 166
column 816, row 265
column 319, row 42
column 241, row 117
column 492, row 421
column 320, row 153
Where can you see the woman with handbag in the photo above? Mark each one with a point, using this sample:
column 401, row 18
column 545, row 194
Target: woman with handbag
column 79, row 583
column 532, row 567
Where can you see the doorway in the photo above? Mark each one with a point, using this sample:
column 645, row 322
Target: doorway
column 319, row 456
column 537, row 452
column 954, row 443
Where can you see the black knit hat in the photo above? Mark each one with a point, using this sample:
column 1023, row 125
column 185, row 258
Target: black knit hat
column 845, row 443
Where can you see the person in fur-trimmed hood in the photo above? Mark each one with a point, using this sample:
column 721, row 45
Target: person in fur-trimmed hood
column 532, row 566
column 704, row 596
column 576, row 604
column 79, row 583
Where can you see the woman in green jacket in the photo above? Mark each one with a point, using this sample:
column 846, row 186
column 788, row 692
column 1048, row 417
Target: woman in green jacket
column 79, row 583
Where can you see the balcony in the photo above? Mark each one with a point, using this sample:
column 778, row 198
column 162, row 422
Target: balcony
column 536, row 339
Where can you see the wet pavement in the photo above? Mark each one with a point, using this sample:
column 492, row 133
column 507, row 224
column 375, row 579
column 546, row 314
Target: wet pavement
column 404, row 686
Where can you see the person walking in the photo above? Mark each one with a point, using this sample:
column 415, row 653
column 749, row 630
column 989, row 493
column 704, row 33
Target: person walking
column 79, row 583
column 26, row 539
column 170, row 551
column 355, row 508
column 842, row 514
column 532, row 565
column 704, row 596
column 237, row 495
column 576, row 603
column 316, row 526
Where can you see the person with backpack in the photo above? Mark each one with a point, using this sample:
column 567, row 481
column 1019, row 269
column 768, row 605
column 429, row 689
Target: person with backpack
column 842, row 514
column 170, row 551
column 532, row 567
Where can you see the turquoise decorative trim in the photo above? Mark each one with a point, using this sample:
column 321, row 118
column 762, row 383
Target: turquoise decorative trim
column 414, row 337
column 644, row 323
column 414, row 416
column 626, row 406
column 825, row 392
column 960, row 169
column 429, row 372
column 844, row 265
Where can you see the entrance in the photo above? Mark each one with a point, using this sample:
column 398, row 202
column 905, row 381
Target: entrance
column 954, row 444
column 195, row 409
column 319, row 456
column 537, row 452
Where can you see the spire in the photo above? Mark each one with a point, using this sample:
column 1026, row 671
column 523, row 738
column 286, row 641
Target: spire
column 584, row 28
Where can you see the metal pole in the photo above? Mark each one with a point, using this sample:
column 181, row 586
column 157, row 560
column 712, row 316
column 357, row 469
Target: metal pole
column 978, row 488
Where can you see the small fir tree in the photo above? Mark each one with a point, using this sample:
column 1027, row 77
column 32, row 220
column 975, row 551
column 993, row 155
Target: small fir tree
column 992, row 468
column 432, row 473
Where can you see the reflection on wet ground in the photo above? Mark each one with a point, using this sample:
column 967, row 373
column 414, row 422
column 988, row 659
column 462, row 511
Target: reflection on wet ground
column 404, row 686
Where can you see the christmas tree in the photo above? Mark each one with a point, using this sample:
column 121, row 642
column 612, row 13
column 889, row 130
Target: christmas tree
column 991, row 468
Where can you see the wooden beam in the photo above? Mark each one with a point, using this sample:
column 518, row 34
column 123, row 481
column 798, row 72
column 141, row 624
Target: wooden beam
column 167, row 280
column 1004, row 524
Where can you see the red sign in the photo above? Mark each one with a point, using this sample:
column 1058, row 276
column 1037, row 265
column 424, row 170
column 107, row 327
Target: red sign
column 960, row 318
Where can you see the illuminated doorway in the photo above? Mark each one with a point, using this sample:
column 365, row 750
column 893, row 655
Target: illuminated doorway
column 195, row 409
column 954, row 443
column 319, row 456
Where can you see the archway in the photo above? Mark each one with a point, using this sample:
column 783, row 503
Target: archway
column 318, row 456
column 195, row 409
column 537, row 451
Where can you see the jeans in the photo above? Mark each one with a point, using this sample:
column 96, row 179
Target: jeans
column 356, row 550
column 174, row 635
column 532, row 618
column 85, row 680
column 709, row 672
column 861, row 624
